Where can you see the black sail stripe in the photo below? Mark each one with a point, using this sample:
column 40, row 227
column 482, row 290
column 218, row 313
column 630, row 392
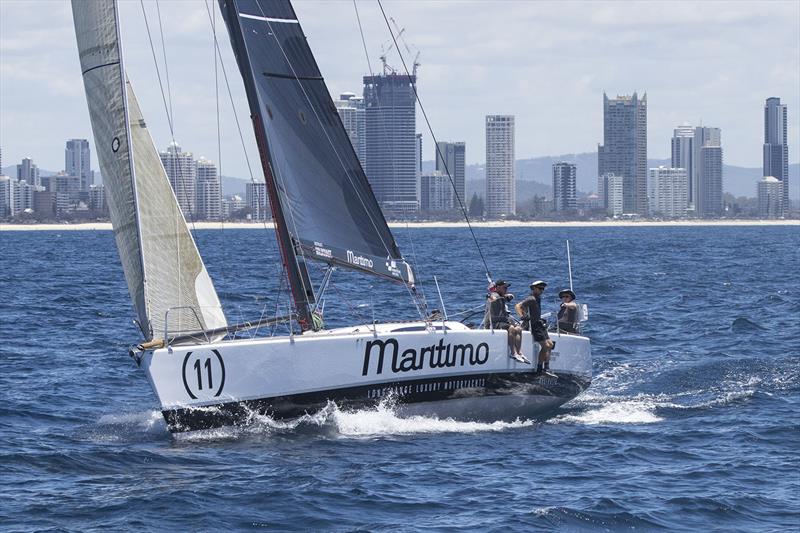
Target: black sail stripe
column 99, row 66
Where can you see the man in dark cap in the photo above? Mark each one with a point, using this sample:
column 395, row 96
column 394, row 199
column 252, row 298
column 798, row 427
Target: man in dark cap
column 498, row 317
column 568, row 312
column 530, row 309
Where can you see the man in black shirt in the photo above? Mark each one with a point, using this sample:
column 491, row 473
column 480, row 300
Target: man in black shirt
column 530, row 309
column 498, row 317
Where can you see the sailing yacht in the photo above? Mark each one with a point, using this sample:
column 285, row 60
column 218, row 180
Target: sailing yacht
column 324, row 211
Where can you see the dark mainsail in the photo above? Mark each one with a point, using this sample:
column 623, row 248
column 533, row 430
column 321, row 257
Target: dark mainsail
column 323, row 205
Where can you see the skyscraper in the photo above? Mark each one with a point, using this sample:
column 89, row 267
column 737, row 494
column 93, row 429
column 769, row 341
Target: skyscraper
column 776, row 147
column 500, row 186
column 707, row 171
column 209, row 193
column 181, row 171
column 564, row 186
column 669, row 191
column 624, row 148
column 28, row 171
column 77, row 162
column 351, row 110
column 451, row 157
column 390, row 146
column 683, row 156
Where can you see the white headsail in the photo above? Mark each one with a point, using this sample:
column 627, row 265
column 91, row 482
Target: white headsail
column 169, row 285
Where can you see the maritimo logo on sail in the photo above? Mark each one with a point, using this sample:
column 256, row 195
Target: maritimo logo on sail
column 439, row 355
column 359, row 260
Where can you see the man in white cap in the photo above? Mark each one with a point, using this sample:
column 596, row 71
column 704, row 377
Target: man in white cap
column 530, row 309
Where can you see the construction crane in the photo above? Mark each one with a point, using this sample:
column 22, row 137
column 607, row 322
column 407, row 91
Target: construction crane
column 389, row 46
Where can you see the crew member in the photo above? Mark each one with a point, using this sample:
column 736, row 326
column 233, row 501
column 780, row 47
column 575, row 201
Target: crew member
column 568, row 312
column 498, row 317
column 530, row 309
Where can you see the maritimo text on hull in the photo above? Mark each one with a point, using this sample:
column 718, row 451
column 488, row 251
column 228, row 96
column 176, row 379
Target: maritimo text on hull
column 324, row 211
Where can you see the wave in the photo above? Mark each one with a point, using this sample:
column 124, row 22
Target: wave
column 615, row 412
column 331, row 421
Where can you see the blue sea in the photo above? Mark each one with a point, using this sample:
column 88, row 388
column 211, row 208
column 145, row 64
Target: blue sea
column 692, row 421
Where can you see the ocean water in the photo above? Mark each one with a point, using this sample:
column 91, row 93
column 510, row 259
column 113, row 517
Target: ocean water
column 692, row 421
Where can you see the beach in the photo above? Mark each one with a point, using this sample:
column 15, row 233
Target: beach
column 106, row 226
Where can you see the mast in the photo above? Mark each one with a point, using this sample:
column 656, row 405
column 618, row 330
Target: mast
column 293, row 263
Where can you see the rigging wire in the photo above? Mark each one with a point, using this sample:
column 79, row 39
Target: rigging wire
column 438, row 151
column 424, row 300
column 219, row 139
column 166, row 65
column 333, row 147
column 167, row 108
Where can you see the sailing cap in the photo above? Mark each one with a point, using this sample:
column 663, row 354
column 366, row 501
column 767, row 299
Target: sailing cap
column 538, row 283
column 501, row 283
column 566, row 292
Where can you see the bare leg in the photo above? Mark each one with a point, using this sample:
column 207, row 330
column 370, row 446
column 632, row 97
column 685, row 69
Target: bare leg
column 518, row 340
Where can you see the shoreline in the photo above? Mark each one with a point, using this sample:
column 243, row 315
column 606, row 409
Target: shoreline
column 106, row 226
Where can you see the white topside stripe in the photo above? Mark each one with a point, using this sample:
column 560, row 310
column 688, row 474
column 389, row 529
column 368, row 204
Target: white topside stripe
column 269, row 19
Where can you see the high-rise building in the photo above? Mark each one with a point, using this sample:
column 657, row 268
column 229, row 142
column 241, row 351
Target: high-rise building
column 683, row 156
column 776, row 147
column 351, row 110
column 28, row 171
column 451, row 157
column 436, row 193
column 501, row 195
column 707, row 171
column 77, row 162
column 770, row 197
column 390, row 146
column 615, row 187
column 669, row 192
column 97, row 198
column 209, row 194
column 257, row 201
column 624, row 149
column 66, row 191
column 6, row 194
column 564, row 186
column 181, row 170
column 43, row 203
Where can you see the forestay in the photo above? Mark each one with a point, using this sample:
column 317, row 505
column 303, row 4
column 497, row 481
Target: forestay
column 330, row 211
column 166, row 276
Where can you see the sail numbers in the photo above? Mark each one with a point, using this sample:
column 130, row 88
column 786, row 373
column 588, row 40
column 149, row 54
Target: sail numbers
column 203, row 374
column 115, row 144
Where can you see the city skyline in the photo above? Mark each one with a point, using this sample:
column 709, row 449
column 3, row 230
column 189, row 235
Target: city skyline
column 510, row 68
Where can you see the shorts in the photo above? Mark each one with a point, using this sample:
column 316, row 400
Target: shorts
column 539, row 336
column 501, row 325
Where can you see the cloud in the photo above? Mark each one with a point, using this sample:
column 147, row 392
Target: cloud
column 546, row 62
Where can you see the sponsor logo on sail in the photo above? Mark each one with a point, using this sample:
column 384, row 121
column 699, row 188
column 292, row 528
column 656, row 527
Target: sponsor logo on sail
column 391, row 266
column 358, row 260
column 321, row 251
column 386, row 354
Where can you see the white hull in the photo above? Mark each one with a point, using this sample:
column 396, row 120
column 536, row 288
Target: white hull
column 459, row 373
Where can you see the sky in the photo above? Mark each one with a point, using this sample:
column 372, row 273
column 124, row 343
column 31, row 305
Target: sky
column 711, row 63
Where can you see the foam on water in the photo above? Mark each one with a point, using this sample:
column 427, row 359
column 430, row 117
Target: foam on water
column 382, row 420
column 620, row 412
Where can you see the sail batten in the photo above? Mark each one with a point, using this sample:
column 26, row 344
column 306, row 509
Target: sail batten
column 170, row 287
column 330, row 211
